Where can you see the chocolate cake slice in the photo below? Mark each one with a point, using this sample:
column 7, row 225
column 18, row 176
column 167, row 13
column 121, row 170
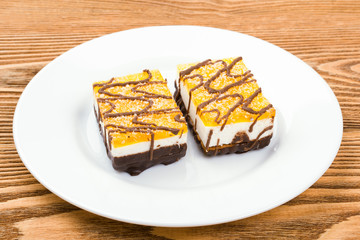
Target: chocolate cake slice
column 224, row 106
column 140, row 122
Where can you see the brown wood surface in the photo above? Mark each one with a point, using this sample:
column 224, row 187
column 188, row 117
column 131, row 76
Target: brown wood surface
column 325, row 34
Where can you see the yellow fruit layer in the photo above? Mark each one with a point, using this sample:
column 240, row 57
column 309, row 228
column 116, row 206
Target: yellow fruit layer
column 108, row 105
column 201, row 95
column 126, row 90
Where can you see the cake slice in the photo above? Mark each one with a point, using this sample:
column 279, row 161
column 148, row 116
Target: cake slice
column 140, row 122
column 224, row 106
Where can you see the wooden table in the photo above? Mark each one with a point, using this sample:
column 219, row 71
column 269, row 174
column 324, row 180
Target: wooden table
column 325, row 34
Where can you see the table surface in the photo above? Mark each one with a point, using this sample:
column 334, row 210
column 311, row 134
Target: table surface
column 325, row 34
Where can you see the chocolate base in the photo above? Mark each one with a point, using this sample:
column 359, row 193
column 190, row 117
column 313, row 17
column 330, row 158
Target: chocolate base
column 134, row 164
column 240, row 143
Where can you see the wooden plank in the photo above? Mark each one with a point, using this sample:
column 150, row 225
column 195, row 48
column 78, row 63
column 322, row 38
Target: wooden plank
column 325, row 34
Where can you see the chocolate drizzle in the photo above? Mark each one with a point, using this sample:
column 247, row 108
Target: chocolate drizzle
column 245, row 107
column 194, row 88
column 134, row 89
column 220, row 94
column 217, row 147
column 178, row 119
column 258, row 137
column 147, row 97
column 209, row 138
column 190, row 69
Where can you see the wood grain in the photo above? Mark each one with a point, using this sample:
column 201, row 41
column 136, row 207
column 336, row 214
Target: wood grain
column 325, row 34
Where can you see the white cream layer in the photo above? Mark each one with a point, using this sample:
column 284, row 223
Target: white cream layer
column 226, row 135
column 142, row 146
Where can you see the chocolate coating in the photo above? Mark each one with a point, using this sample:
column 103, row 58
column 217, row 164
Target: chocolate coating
column 136, row 163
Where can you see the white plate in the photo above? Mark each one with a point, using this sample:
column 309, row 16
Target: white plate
column 57, row 136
